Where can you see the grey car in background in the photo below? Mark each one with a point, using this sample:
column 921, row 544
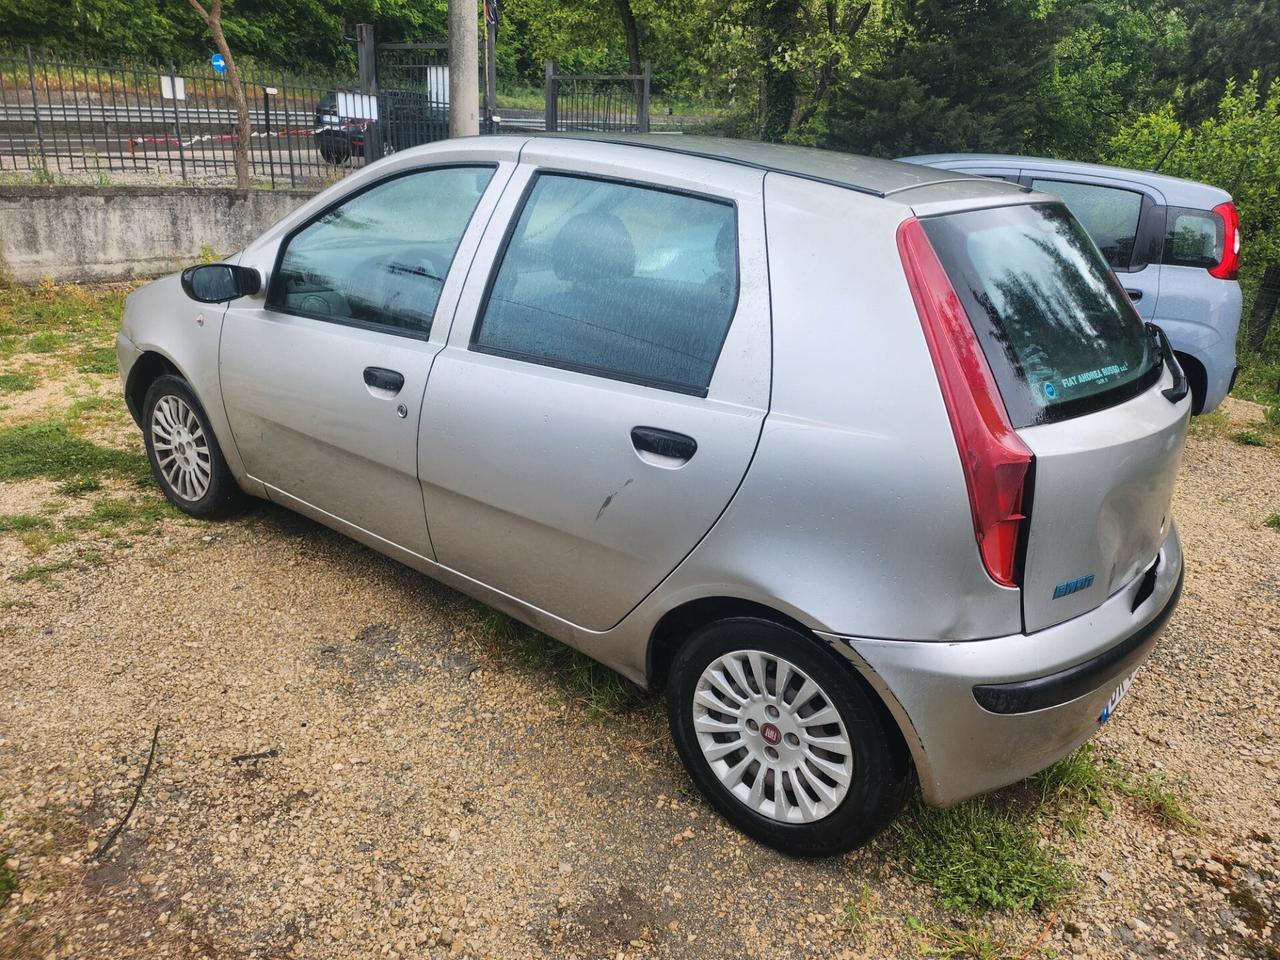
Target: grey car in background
column 1174, row 244
column 867, row 466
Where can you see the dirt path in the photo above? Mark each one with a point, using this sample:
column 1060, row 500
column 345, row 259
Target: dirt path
column 426, row 795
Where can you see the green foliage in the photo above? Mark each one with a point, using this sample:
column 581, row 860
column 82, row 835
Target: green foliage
column 97, row 360
column 14, row 522
column 973, row 941
column 8, row 884
column 16, row 382
column 1237, row 148
column 1272, row 521
column 1248, row 438
column 980, row 856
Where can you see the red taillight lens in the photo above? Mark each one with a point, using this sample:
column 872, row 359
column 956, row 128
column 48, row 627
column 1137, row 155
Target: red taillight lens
column 996, row 462
column 1229, row 266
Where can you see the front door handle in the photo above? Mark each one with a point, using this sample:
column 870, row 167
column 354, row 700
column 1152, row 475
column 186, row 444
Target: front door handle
column 380, row 378
column 664, row 448
column 1134, row 295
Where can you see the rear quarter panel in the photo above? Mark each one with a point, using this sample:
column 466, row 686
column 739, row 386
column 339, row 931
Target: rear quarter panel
column 854, row 516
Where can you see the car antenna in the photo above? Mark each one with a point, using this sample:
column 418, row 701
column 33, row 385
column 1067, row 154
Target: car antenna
column 1160, row 162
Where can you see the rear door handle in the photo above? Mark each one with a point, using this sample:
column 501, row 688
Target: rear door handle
column 1134, row 295
column 380, row 378
column 664, row 448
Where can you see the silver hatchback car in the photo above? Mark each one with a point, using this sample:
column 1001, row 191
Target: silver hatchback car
column 868, row 466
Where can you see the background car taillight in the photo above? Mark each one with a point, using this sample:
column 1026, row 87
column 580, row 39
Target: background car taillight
column 996, row 462
column 1229, row 266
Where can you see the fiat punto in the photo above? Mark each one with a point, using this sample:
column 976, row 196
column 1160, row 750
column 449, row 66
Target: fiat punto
column 867, row 466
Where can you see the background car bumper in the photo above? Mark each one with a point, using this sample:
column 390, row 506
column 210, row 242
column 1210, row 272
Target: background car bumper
column 1067, row 672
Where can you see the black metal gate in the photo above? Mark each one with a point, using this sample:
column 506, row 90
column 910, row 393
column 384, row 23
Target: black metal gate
column 605, row 102
column 409, row 82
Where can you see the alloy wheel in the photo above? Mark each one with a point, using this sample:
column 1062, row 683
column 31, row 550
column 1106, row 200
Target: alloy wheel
column 181, row 448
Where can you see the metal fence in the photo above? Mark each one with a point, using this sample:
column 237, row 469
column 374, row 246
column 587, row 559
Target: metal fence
column 602, row 102
column 79, row 122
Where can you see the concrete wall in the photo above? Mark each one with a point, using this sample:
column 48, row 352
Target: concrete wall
column 112, row 233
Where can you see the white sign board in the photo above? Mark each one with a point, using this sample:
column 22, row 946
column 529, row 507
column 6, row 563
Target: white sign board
column 438, row 83
column 357, row 106
column 173, row 88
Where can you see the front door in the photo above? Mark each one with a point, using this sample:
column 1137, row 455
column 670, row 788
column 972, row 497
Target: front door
column 605, row 384
column 323, row 381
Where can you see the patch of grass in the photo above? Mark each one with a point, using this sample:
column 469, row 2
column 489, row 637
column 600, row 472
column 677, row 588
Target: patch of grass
column 8, row 884
column 980, row 855
column 79, row 486
column 97, row 360
column 1154, row 795
column 48, row 449
column 13, row 522
column 968, row 942
column 109, row 515
column 40, row 571
column 1248, row 438
column 1082, row 780
column 46, row 342
column 16, row 382
column 858, row 914
column 601, row 691
column 1272, row 521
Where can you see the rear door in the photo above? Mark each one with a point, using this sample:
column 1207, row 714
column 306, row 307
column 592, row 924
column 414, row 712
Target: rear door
column 1080, row 377
column 606, row 379
column 1121, row 218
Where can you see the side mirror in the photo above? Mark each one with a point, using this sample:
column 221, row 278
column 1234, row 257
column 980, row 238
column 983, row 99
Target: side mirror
column 220, row 282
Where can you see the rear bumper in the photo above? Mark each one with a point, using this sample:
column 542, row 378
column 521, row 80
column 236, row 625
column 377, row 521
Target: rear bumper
column 980, row 714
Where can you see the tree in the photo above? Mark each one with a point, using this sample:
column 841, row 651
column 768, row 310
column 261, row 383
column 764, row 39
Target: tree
column 213, row 18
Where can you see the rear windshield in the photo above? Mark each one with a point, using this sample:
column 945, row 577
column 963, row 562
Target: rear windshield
column 1058, row 334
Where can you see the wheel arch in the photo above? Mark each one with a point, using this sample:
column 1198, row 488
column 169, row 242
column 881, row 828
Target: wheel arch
column 1197, row 379
column 149, row 366
column 677, row 624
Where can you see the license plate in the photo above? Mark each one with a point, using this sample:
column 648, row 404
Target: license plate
column 1116, row 696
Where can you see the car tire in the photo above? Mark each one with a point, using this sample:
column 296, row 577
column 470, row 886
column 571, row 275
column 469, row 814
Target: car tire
column 184, row 453
column 828, row 817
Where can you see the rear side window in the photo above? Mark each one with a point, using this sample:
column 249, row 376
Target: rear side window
column 1109, row 214
column 629, row 282
column 379, row 259
column 1059, row 336
column 1193, row 238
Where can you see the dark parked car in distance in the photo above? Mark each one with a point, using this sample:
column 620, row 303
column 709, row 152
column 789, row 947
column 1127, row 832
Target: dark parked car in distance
column 405, row 119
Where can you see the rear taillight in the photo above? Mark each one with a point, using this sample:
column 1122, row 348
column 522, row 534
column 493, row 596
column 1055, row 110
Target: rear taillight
column 1229, row 266
column 996, row 462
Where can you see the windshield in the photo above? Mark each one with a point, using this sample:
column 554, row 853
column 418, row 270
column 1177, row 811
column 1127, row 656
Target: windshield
column 1060, row 336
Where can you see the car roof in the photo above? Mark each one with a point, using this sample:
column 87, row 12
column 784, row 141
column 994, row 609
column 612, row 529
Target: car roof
column 1176, row 190
column 870, row 175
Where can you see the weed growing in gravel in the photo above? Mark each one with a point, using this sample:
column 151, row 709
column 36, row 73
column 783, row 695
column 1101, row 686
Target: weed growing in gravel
column 8, row 884
column 1153, row 795
column 976, row 942
column 16, row 382
column 1272, row 521
column 49, row 449
column 97, row 360
column 1248, row 438
column 16, row 522
column 39, row 571
column 603, row 692
column 980, row 855
column 79, row 486
column 858, row 914
column 108, row 515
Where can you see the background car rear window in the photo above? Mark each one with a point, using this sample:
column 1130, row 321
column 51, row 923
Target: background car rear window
column 380, row 259
column 1060, row 337
column 624, row 281
column 1109, row 214
column 1193, row 238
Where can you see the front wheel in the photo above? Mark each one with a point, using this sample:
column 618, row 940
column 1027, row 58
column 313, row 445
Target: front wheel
column 184, row 454
column 784, row 739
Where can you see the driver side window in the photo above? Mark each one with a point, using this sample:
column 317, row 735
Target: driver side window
column 380, row 258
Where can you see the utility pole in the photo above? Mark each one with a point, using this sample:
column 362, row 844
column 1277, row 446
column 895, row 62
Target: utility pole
column 464, row 69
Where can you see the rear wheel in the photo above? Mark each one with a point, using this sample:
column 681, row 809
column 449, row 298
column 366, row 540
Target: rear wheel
column 185, row 457
column 783, row 738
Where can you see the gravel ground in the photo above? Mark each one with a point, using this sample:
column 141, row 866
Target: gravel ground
column 349, row 765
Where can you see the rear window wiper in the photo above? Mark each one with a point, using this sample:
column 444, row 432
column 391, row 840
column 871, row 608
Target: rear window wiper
column 1164, row 353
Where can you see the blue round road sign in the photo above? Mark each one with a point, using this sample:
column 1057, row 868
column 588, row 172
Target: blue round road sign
column 218, row 63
